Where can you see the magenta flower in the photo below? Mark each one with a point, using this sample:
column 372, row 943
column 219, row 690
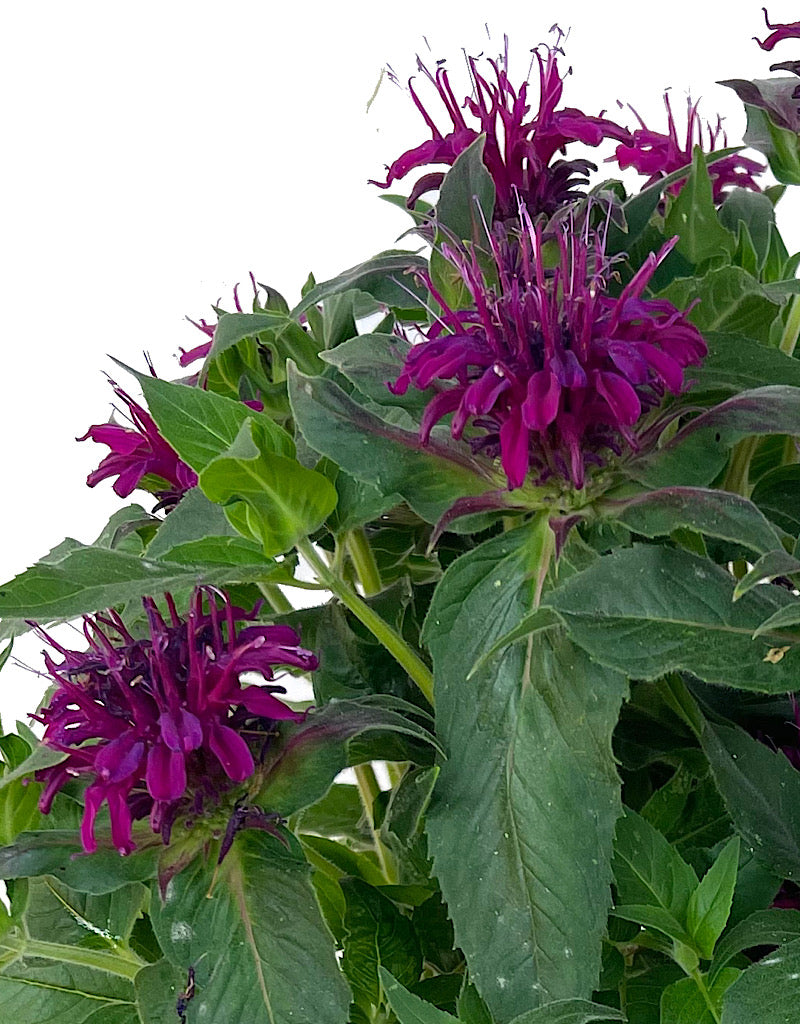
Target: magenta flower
column 519, row 148
column 656, row 154
column 139, row 452
column 790, row 30
column 200, row 351
column 545, row 370
column 163, row 724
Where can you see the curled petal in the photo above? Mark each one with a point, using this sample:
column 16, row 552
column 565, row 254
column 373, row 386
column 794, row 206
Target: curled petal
column 620, row 397
column 231, row 751
column 540, row 407
column 166, row 773
column 259, row 701
column 181, row 731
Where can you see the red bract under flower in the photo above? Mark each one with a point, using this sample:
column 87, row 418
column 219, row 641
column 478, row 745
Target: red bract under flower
column 780, row 31
column 656, row 154
column 159, row 724
column 137, row 452
column 519, row 148
column 550, row 372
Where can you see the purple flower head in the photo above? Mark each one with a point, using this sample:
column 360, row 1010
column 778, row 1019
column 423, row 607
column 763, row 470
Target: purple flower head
column 519, row 147
column 656, row 154
column 778, row 33
column 545, row 370
column 162, row 725
column 139, row 451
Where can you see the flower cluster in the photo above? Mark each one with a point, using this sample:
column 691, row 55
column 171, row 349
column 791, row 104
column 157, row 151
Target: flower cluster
column 519, row 148
column 548, row 371
column 138, row 452
column 163, row 725
column 657, row 154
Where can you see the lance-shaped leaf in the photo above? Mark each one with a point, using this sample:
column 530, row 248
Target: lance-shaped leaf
column 710, row 512
column 387, row 277
column 254, row 936
column 371, row 362
column 88, row 578
column 761, row 790
column 529, row 777
column 693, row 217
column 317, row 749
column 768, row 567
column 735, row 363
column 783, row 619
column 711, row 901
column 201, row 425
column 430, row 477
column 699, row 451
column 58, row 852
column 284, row 501
column 570, row 1011
column 765, row 927
column 408, row 1008
column 768, row 992
column 648, row 610
column 777, row 493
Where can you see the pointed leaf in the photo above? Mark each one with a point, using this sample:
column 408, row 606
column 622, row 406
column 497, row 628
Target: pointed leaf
column 255, row 938
column 529, row 777
column 388, row 277
column 765, row 927
column 408, row 1008
column 648, row 610
column 768, row 992
column 693, row 217
column 683, row 1002
column 711, row 901
column 570, row 1011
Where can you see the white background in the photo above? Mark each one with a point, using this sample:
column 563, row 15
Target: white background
column 154, row 153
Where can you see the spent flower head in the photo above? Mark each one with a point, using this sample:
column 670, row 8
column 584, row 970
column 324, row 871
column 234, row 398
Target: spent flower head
column 546, row 370
column 162, row 724
column 520, row 144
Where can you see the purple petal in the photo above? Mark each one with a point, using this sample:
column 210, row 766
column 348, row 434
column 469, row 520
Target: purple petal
column 231, row 751
column 514, row 439
column 620, row 397
column 182, row 731
column 120, row 758
column 166, row 773
column 540, row 407
column 260, row 701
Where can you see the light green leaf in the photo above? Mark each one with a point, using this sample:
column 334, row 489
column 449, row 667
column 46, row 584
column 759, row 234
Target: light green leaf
column 710, row 905
column 408, row 1008
column 683, row 1002
column 285, row 501
column 693, row 217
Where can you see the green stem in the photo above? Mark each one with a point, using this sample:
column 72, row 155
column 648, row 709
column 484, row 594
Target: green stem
column 364, row 562
column 380, row 629
column 736, row 479
column 792, row 328
column 368, row 790
column 127, row 966
column 276, row 599
column 699, row 980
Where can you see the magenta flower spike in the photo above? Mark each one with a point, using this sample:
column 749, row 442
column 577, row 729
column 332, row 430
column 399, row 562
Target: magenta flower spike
column 159, row 725
column 139, row 451
column 519, row 148
column 779, row 32
column 546, row 371
column 657, row 154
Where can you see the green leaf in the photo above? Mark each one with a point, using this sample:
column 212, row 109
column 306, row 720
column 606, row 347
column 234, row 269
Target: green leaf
column 777, row 494
column 648, row 872
column 761, row 790
column 278, row 331
column 683, row 1003
column 713, row 513
column 753, row 212
column 768, row 992
column 768, row 567
column 371, row 361
column 529, row 776
column 260, row 950
column 731, row 300
column 376, row 935
column 59, row 914
column 194, row 518
column 693, row 216
column 158, row 988
column 466, row 199
column 735, row 363
column 408, row 1008
column 40, row 757
column 764, row 928
column 655, row 918
column 699, row 450
column 33, row 990
column 388, row 277
column 201, row 425
column 710, row 905
column 90, row 578
column 570, row 1011
column 431, row 477
column 285, row 501
column 58, row 852
column 649, row 610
